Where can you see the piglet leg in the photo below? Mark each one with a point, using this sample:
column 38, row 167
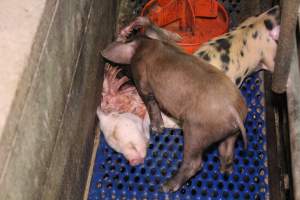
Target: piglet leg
column 156, row 121
column 143, row 88
column 194, row 145
column 226, row 154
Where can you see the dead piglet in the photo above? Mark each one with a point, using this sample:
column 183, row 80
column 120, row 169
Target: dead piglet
column 126, row 133
column 250, row 47
column 119, row 96
column 206, row 102
column 121, row 117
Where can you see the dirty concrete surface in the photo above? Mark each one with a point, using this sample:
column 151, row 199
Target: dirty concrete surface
column 50, row 75
column 19, row 23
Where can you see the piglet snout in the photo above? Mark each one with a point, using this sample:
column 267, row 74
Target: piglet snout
column 136, row 161
column 275, row 33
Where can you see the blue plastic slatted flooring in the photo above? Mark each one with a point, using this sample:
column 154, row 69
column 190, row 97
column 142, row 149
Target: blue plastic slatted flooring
column 114, row 178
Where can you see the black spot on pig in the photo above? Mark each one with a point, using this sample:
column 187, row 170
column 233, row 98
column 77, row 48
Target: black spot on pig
column 246, row 72
column 212, row 43
column 255, row 34
column 244, row 42
column 230, row 36
column 206, row 57
column 268, row 23
column 225, row 58
column 225, row 68
column 201, row 53
column 243, row 27
column 238, row 80
column 223, row 43
column 251, row 26
column 242, row 53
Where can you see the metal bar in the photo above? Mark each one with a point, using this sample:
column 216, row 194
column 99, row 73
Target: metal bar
column 289, row 11
column 276, row 185
column 293, row 90
column 284, row 139
column 298, row 40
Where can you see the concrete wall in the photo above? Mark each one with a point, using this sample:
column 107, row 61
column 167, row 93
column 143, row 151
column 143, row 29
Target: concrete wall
column 47, row 134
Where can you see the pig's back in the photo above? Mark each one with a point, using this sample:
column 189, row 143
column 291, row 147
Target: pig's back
column 183, row 84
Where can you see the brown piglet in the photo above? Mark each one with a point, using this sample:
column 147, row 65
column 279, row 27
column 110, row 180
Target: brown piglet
column 204, row 100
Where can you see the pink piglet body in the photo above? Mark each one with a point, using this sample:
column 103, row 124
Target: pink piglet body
column 126, row 134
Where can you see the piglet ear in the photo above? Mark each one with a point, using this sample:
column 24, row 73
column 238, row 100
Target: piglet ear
column 120, row 52
column 153, row 31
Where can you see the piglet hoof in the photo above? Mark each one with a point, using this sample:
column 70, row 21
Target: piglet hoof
column 170, row 186
column 226, row 169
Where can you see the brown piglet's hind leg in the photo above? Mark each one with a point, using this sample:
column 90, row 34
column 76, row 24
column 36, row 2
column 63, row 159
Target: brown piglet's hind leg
column 192, row 157
column 226, row 154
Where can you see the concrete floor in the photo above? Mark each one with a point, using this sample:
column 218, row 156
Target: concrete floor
column 19, row 23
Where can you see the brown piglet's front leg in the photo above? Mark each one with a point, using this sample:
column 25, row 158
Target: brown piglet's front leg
column 144, row 90
column 156, row 121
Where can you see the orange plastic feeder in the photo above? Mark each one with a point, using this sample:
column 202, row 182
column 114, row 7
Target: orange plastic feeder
column 196, row 21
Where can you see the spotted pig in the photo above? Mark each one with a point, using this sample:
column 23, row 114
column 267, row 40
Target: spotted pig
column 249, row 48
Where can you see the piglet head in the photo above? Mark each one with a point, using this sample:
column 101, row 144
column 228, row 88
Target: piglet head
column 135, row 154
column 268, row 25
column 271, row 23
column 122, row 49
column 270, row 20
